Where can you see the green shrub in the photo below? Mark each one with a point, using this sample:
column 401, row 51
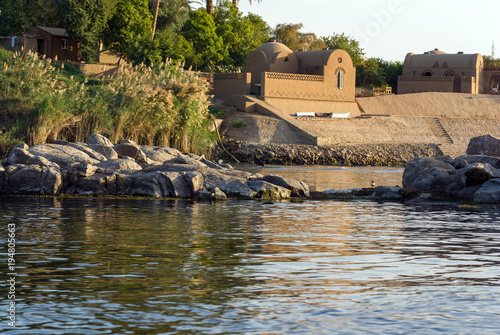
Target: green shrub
column 160, row 105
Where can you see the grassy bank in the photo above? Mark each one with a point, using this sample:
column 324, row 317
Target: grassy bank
column 161, row 105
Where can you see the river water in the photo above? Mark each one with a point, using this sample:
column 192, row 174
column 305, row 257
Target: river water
column 133, row 266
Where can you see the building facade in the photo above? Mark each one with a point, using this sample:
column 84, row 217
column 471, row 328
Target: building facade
column 438, row 71
column 321, row 81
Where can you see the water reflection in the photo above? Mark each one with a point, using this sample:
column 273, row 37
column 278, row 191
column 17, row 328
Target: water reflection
column 321, row 178
column 92, row 265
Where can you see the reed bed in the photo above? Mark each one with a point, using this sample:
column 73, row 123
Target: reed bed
column 162, row 104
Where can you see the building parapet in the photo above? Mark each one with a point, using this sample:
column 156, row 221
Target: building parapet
column 297, row 77
column 228, row 76
column 427, row 79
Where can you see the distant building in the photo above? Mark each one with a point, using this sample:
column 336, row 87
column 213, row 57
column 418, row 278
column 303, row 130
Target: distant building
column 314, row 81
column 438, row 71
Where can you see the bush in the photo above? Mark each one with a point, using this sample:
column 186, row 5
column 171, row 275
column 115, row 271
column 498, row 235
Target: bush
column 159, row 105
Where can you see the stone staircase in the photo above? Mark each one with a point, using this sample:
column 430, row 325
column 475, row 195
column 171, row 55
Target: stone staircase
column 453, row 150
column 438, row 130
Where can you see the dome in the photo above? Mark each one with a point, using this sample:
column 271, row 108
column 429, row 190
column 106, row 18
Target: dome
column 271, row 49
column 436, row 52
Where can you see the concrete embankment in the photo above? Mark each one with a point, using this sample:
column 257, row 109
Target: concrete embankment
column 447, row 120
column 347, row 155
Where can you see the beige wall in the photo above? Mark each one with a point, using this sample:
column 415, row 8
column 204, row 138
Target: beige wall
column 227, row 84
column 437, row 71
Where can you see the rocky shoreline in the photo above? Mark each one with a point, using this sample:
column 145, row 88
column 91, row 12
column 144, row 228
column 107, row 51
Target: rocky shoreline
column 386, row 154
column 100, row 168
column 474, row 177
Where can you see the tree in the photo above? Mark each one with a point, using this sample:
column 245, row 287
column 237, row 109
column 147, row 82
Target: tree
column 261, row 30
column 288, row 34
column 237, row 32
column 131, row 24
column 172, row 14
column 200, row 32
column 346, row 43
column 85, row 21
column 17, row 16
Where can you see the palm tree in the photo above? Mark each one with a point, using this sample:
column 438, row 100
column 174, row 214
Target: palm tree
column 235, row 2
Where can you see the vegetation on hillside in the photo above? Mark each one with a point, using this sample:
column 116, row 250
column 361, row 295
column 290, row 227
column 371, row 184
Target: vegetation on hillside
column 157, row 105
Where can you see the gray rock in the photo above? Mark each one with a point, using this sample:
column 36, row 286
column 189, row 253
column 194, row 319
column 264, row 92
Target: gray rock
column 22, row 156
column 2, row 179
column 106, row 151
column 72, row 173
column 466, row 193
column 194, row 180
column 485, row 145
column 97, row 139
column 127, row 141
column 204, row 195
column 493, row 161
column 62, row 155
column 387, row 193
column 478, row 173
column 96, row 184
column 298, row 187
column 426, row 174
column 130, row 150
column 218, row 195
column 489, row 192
column 125, row 163
column 268, row 190
column 88, row 150
column 152, row 184
column 160, row 154
column 32, row 179
column 22, row 146
column 176, row 185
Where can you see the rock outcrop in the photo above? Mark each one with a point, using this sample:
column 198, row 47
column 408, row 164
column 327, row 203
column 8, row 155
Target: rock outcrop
column 101, row 168
column 471, row 178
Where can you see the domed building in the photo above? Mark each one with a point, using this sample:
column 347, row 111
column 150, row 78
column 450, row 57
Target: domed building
column 295, row 81
column 438, row 71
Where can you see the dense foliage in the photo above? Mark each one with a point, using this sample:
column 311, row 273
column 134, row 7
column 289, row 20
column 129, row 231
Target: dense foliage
column 159, row 105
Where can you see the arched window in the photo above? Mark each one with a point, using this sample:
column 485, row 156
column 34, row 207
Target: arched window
column 340, row 80
column 427, row 74
column 449, row 74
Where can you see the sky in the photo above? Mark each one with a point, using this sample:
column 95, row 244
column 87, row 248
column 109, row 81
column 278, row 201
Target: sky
column 389, row 29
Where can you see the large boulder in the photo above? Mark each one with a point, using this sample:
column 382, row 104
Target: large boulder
column 478, row 173
column 489, row 192
column 493, row 161
column 387, row 193
column 32, row 179
column 298, row 187
column 96, row 184
column 427, row 174
column 62, row 155
column 160, row 154
column 269, row 191
column 106, row 151
column 97, row 139
column 18, row 155
column 485, row 145
column 88, row 150
column 131, row 150
column 125, row 163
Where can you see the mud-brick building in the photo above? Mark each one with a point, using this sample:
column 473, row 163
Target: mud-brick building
column 438, row 71
column 51, row 42
column 295, row 81
column 54, row 43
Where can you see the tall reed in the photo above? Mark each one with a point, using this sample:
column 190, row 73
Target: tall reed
column 163, row 105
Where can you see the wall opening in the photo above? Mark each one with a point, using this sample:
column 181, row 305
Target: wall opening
column 340, row 80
